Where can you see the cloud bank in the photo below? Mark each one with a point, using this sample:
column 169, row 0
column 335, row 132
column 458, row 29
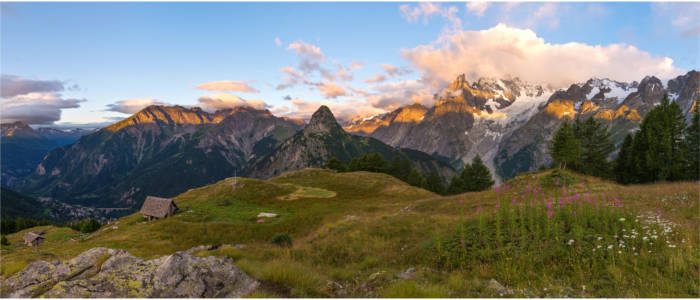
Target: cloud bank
column 132, row 106
column 33, row 101
column 504, row 51
column 226, row 100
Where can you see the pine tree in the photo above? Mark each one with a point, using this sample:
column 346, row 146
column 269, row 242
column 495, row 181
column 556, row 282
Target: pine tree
column 693, row 144
column 480, row 176
column 415, row 179
column 565, row 148
column 596, row 146
column 400, row 168
column 335, row 164
column 433, row 183
column 624, row 162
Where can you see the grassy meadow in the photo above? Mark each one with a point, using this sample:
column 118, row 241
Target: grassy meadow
column 360, row 234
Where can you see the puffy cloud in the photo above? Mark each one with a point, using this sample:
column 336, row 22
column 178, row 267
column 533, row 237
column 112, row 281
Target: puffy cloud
column 35, row 108
column 11, row 86
column 428, row 9
column 291, row 72
column 356, row 65
column 226, row 100
column 278, row 42
column 478, row 8
column 392, row 95
column 228, row 85
column 331, row 90
column 305, row 49
column 504, row 51
column 132, row 106
column 33, row 101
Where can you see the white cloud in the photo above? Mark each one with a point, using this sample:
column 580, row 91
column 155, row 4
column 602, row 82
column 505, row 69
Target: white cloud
column 226, row 100
column 478, row 8
column 428, row 9
column 305, row 49
column 547, row 12
column 377, row 78
column 504, row 51
column 278, row 42
column 683, row 16
column 228, row 85
column 331, row 90
column 131, row 106
column 35, row 107
column 291, row 72
column 389, row 96
column 394, row 71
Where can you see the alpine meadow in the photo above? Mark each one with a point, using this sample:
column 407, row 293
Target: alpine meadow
column 350, row 150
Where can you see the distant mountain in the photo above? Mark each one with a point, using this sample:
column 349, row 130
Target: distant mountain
column 161, row 151
column 21, row 150
column 63, row 137
column 508, row 122
column 323, row 138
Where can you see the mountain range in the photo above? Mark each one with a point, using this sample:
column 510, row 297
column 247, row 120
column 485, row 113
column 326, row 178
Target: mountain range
column 166, row 150
column 508, row 122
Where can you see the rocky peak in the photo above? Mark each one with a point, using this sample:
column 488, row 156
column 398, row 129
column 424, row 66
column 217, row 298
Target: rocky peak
column 322, row 121
column 18, row 129
column 459, row 83
column 650, row 86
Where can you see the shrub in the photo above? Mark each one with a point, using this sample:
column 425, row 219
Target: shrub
column 282, row 240
column 4, row 241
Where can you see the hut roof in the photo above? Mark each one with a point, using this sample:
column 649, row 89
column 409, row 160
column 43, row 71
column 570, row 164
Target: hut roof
column 156, row 206
column 31, row 236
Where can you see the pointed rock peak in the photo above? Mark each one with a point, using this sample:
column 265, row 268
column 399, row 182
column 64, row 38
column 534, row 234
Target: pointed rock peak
column 322, row 121
column 459, row 83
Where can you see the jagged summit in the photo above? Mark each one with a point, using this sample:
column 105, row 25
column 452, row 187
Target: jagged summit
column 322, row 120
column 18, row 129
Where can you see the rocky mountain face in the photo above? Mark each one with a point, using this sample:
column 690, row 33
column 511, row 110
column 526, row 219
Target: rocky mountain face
column 621, row 106
column 110, row 273
column 21, row 149
column 467, row 119
column 160, row 151
column 508, row 122
column 323, row 138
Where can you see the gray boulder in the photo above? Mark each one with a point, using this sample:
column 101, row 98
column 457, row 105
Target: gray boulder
column 109, row 273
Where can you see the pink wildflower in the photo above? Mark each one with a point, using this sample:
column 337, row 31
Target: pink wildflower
column 561, row 202
column 495, row 189
column 498, row 205
column 532, row 204
column 461, row 201
column 582, row 184
column 523, row 196
column 658, row 212
column 528, row 187
column 550, row 213
column 549, row 204
column 513, row 201
column 557, row 183
column 462, row 242
column 478, row 209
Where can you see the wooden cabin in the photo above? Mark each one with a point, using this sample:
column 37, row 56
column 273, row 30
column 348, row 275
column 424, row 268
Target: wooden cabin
column 158, row 208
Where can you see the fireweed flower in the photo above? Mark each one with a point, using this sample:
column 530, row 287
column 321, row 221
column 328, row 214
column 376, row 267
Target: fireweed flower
column 498, row 205
column 557, row 183
column 549, row 205
column 495, row 189
column 513, row 201
column 550, row 213
column 478, row 209
column 582, row 184
column 461, row 201
column 528, row 187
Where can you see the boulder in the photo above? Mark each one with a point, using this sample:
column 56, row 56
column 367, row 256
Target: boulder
column 267, row 215
column 93, row 275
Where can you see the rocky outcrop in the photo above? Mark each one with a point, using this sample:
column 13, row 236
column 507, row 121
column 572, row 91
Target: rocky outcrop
column 109, row 273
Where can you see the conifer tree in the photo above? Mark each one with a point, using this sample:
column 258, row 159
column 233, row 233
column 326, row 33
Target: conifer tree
column 335, row 164
column 693, row 142
column 565, row 148
column 480, row 175
column 596, row 146
column 624, row 162
column 433, row 183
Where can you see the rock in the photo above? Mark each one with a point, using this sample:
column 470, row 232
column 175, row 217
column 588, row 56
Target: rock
column 408, row 274
column 239, row 246
column 267, row 215
column 351, row 217
column 123, row 275
column 496, row 287
column 201, row 248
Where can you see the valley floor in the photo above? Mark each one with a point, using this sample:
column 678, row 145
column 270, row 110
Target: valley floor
column 370, row 235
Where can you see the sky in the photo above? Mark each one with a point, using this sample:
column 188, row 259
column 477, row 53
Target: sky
column 96, row 63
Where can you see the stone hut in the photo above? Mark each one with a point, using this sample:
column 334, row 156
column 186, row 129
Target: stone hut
column 32, row 239
column 158, row 208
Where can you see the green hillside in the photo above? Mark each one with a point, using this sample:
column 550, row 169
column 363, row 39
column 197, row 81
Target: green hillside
column 16, row 205
column 357, row 234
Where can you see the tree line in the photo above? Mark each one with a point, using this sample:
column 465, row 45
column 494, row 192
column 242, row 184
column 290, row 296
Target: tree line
column 474, row 177
column 10, row 225
column 663, row 149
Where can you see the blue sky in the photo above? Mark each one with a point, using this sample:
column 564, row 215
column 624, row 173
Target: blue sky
column 113, row 58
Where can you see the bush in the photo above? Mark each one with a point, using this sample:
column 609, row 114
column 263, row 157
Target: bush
column 282, row 240
column 4, row 241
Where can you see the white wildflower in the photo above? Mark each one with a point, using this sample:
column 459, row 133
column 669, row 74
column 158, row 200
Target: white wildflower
column 622, row 219
column 610, row 247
